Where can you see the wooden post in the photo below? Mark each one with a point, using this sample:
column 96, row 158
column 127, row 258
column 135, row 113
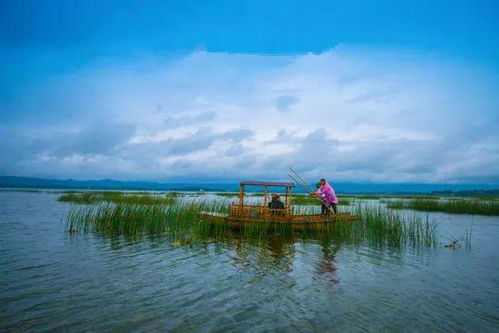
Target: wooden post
column 241, row 195
column 265, row 200
column 288, row 202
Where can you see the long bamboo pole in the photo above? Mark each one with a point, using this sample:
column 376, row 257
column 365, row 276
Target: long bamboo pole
column 299, row 180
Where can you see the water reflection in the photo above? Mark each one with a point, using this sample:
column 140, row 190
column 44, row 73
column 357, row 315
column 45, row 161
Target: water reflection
column 278, row 252
column 274, row 252
column 326, row 268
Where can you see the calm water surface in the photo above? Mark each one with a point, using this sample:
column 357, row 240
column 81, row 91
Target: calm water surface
column 53, row 281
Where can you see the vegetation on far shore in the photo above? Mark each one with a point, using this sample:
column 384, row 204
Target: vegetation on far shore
column 465, row 206
column 298, row 199
column 389, row 196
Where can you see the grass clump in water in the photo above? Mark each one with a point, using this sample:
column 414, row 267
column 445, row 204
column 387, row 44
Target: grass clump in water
column 79, row 198
column 466, row 206
column 381, row 225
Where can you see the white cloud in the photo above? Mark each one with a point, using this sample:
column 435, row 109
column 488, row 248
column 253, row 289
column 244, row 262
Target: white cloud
column 350, row 114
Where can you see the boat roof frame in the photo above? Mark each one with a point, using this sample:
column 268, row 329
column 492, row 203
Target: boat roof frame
column 266, row 184
column 288, row 186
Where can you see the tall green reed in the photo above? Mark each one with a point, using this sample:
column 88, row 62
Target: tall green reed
column 181, row 223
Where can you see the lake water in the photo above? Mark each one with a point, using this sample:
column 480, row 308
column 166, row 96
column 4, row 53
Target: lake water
column 51, row 280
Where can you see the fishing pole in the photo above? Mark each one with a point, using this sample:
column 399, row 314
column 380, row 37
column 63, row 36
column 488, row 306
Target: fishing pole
column 296, row 177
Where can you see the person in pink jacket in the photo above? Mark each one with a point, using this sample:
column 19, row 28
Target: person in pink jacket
column 328, row 197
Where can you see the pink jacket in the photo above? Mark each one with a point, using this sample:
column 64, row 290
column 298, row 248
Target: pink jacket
column 329, row 192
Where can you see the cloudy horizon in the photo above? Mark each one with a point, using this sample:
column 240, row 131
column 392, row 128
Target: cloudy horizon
column 352, row 112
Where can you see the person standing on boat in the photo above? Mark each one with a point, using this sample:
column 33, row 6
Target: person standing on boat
column 327, row 196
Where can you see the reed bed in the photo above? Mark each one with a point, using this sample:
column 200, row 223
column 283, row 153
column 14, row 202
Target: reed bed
column 380, row 225
column 465, row 206
column 141, row 198
column 136, row 219
column 181, row 224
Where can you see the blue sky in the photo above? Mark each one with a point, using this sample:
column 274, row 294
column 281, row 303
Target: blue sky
column 392, row 91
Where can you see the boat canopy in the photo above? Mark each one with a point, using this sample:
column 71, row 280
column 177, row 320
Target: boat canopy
column 267, row 184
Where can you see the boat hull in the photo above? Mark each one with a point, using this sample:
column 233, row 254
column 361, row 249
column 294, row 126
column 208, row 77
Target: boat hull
column 296, row 221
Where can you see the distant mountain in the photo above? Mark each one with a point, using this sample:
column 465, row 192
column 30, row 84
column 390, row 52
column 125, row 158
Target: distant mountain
column 103, row 184
column 111, row 184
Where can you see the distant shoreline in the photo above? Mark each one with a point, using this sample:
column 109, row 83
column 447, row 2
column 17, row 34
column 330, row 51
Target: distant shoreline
column 12, row 182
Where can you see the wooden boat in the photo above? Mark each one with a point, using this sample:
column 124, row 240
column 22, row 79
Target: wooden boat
column 240, row 214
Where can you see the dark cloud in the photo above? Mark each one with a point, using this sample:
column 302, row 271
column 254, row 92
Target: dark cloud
column 23, row 147
column 384, row 160
column 147, row 155
column 96, row 138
